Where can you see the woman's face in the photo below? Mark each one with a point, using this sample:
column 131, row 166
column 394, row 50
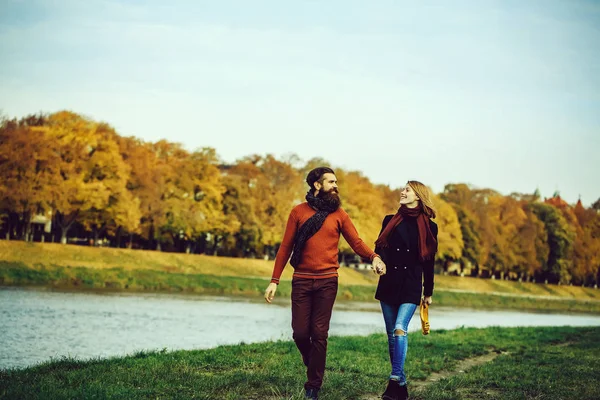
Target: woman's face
column 408, row 197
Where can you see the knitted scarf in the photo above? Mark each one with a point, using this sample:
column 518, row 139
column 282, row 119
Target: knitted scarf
column 427, row 242
column 312, row 225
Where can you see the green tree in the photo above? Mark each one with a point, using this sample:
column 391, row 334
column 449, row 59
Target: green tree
column 560, row 241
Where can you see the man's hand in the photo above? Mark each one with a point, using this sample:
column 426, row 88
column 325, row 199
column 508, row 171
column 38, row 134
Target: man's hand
column 270, row 292
column 427, row 300
column 379, row 266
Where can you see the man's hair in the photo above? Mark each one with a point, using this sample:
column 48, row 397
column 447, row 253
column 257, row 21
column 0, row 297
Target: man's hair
column 316, row 175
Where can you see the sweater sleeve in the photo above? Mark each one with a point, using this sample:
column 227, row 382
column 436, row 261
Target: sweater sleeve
column 356, row 243
column 428, row 268
column 286, row 247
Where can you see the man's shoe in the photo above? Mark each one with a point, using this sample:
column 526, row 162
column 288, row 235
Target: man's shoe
column 403, row 392
column 312, row 394
column 391, row 391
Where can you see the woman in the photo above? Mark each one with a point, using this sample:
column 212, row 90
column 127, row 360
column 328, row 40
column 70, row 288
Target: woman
column 407, row 244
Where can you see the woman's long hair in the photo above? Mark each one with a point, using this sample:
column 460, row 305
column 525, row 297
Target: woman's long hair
column 425, row 195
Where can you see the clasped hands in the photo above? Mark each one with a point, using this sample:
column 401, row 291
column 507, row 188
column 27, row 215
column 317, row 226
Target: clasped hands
column 378, row 266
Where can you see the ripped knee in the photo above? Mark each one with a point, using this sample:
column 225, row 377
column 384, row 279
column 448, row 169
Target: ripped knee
column 399, row 332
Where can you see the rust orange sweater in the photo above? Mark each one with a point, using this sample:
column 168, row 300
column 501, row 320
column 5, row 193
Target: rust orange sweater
column 320, row 254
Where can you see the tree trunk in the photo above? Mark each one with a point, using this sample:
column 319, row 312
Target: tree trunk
column 201, row 244
column 26, row 233
column 65, row 226
column 215, row 245
column 151, row 238
column 63, row 235
column 176, row 242
column 130, row 240
column 119, row 237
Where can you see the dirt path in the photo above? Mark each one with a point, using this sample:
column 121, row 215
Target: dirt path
column 460, row 368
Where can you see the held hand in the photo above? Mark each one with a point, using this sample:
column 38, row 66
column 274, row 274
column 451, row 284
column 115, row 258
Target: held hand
column 427, row 300
column 379, row 266
column 270, row 292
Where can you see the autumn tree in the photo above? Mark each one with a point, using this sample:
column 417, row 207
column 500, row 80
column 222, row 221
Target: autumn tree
column 450, row 237
column 30, row 170
column 239, row 205
column 461, row 198
column 90, row 167
column 147, row 183
column 532, row 249
column 198, row 210
column 105, row 165
column 586, row 251
column 365, row 206
column 508, row 217
column 271, row 188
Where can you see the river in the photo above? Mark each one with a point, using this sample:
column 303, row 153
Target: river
column 39, row 325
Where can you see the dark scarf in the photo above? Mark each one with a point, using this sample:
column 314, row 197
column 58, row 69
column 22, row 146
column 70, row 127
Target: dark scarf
column 427, row 242
column 312, row 225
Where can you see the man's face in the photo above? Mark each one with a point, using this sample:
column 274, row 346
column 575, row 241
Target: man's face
column 328, row 183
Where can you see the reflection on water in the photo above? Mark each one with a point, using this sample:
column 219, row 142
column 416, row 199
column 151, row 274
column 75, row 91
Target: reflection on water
column 37, row 325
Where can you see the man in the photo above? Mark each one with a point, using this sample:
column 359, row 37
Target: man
column 312, row 234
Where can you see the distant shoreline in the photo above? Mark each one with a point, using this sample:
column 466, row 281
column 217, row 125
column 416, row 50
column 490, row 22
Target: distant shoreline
column 112, row 270
column 149, row 281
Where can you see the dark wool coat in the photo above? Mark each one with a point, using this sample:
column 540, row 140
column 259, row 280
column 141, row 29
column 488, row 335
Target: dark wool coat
column 407, row 278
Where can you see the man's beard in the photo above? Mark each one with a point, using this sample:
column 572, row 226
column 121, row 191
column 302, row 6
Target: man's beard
column 331, row 198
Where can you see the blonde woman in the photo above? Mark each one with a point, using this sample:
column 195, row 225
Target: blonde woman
column 407, row 244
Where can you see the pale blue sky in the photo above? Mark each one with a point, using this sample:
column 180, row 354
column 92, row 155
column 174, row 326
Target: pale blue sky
column 499, row 94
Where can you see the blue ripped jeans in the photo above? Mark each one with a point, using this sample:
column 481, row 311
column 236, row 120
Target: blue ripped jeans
column 397, row 319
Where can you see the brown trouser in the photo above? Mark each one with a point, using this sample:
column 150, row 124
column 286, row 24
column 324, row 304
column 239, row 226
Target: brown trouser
column 312, row 303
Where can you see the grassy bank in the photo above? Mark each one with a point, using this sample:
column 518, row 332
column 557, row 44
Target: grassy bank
column 119, row 279
column 78, row 267
column 51, row 256
column 541, row 363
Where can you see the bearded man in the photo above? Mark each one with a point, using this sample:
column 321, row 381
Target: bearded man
column 312, row 237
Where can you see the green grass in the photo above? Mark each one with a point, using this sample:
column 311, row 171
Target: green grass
column 564, row 367
column 52, row 255
column 89, row 268
column 540, row 363
column 120, row 279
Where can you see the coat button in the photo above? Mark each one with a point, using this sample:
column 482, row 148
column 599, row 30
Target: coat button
column 404, row 267
column 395, row 267
column 397, row 249
column 407, row 249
